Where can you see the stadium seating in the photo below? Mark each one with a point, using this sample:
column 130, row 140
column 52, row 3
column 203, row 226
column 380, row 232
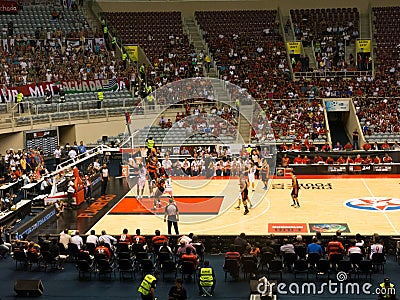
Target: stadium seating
column 247, row 48
column 161, row 36
column 386, row 34
column 328, row 30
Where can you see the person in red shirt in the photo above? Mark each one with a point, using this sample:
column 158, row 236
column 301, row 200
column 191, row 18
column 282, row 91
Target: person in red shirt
column 348, row 147
column 377, row 160
column 307, row 144
column 306, row 160
column 330, row 160
column 387, row 159
column 326, row 147
column 103, row 249
column 190, row 257
column 125, row 238
column 138, row 238
column 368, row 160
column 385, row 146
column 318, row 159
column 158, row 239
column 340, row 160
column 358, row 159
column 334, row 247
column 298, row 160
column 367, row 146
column 284, row 147
column 349, row 160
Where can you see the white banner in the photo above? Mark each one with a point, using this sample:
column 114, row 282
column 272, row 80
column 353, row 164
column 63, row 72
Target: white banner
column 337, row 105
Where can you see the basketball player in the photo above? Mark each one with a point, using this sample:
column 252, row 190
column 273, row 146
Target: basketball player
column 295, row 191
column 252, row 175
column 264, row 171
column 160, row 184
column 141, row 181
column 152, row 172
column 244, row 194
column 168, row 185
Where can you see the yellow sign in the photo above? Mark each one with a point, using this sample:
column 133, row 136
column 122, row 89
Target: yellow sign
column 294, row 47
column 133, row 52
column 363, row 46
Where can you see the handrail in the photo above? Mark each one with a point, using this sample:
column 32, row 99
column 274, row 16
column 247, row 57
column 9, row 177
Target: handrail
column 80, row 158
column 371, row 34
column 323, row 74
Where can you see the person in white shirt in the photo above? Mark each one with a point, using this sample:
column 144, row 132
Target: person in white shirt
column 70, row 192
column 105, row 176
column 92, row 238
column 354, row 249
column 57, row 155
column 252, row 175
column 96, row 165
column 77, row 240
column 107, row 239
column 72, row 154
column 65, row 238
column 377, row 247
column 167, row 165
column 141, row 181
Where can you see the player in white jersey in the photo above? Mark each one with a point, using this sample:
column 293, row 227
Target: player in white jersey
column 168, row 185
column 252, row 175
column 142, row 178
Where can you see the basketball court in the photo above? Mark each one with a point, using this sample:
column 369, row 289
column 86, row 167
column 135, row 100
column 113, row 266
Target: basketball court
column 352, row 204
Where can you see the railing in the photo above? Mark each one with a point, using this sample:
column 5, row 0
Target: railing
column 371, row 34
column 322, row 74
column 80, row 158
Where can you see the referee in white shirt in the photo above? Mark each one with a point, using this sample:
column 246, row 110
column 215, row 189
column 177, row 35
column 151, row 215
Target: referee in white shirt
column 172, row 215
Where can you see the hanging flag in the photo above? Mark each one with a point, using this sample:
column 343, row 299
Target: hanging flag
column 110, row 85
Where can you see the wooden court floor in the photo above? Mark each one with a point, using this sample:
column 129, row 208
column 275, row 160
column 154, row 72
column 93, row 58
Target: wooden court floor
column 351, row 204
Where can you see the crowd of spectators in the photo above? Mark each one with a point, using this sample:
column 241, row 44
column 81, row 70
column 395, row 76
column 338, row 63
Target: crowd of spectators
column 341, row 160
column 219, row 121
column 161, row 36
column 378, row 115
column 54, row 56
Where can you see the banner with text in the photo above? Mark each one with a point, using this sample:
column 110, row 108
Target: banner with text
column 294, row 47
column 8, row 7
column 133, row 52
column 70, row 87
column 363, row 46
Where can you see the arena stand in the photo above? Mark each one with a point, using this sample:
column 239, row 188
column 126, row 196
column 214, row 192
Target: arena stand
column 161, row 36
column 247, row 47
column 386, row 34
column 328, row 31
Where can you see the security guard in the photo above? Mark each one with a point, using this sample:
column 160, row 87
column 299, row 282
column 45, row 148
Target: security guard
column 20, row 98
column 142, row 72
column 387, row 290
column 123, row 58
column 100, row 98
column 113, row 43
column 148, row 285
column 150, row 98
column 150, row 145
column 206, row 280
column 105, row 31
